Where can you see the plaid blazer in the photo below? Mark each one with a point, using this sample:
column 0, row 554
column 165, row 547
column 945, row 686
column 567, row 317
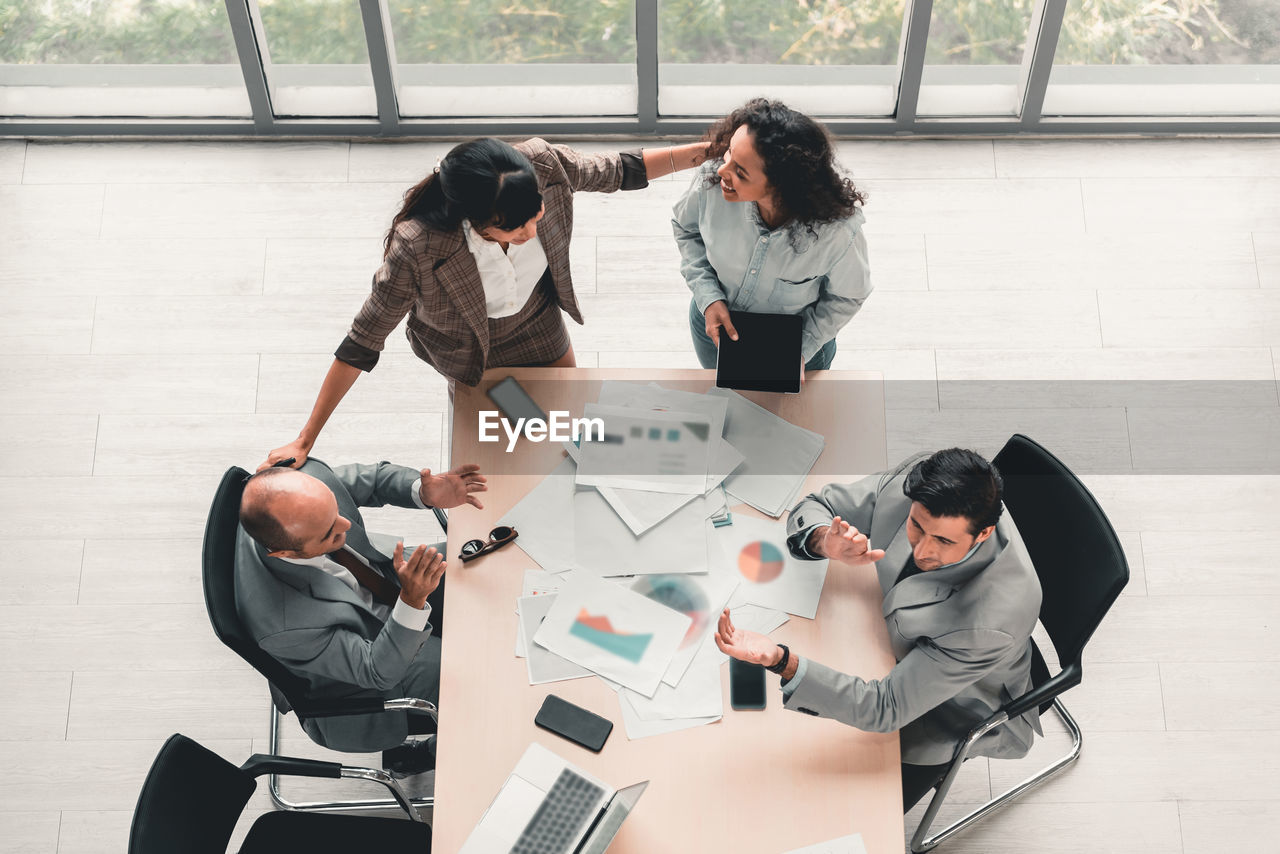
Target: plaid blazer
column 431, row 276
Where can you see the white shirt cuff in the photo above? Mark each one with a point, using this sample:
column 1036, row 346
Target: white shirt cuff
column 789, row 687
column 417, row 494
column 410, row 617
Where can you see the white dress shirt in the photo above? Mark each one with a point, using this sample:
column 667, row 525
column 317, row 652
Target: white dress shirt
column 403, row 613
column 508, row 277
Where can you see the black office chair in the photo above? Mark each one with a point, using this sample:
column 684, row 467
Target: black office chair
column 288, row 692
column 1082, row 570
column 192, row 799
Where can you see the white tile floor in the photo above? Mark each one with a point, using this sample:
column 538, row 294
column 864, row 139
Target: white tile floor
column 169, row 308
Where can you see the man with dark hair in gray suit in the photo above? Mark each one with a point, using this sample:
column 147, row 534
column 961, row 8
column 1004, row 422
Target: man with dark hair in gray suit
column 961, row 598
column 340, row 607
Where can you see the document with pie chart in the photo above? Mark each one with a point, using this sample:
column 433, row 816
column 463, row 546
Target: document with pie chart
column 614, row 632
column 755, row 552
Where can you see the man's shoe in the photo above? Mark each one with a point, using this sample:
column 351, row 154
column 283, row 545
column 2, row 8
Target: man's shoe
column 409, row 759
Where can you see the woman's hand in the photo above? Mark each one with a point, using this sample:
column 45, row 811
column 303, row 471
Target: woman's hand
column 717, row 315
column 297, row 449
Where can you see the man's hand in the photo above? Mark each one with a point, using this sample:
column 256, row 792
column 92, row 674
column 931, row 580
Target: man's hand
column 744, row 645
column 802, row 369
column 296, row 449
column 843, row 542
column 419, row 575
column 717, row 315
column 453, row 487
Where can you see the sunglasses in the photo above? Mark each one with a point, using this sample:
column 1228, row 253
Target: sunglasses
column 498, row 538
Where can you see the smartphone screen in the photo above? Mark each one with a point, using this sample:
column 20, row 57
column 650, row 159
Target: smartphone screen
column 746, row 685
column 573, row 722
column 514, row 402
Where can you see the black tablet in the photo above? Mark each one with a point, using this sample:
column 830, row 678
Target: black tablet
column 766, row 356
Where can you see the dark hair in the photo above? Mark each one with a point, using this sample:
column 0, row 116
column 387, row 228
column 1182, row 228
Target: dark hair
column 257, row 521
column 956, row 482
column 486, row 181
column 799, row 161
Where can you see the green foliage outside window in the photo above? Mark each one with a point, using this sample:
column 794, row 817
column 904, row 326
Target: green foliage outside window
column 793, row 32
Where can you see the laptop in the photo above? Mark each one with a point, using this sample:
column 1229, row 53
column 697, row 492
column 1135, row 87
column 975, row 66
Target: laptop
column 766, row 356
column 548, row 806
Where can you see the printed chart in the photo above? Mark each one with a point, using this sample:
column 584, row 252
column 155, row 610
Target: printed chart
column 760, row 562
column 613, row 631
column 600, row 632
column 755, row 553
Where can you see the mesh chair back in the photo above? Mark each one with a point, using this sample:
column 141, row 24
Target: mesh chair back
column 189, row 802
column 219, row 563
column 1076, row 553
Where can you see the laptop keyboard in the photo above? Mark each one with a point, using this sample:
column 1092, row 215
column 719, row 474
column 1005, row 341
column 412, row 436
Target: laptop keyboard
column 560, row 816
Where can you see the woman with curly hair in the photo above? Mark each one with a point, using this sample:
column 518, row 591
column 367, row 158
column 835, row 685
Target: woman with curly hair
column 769, row 225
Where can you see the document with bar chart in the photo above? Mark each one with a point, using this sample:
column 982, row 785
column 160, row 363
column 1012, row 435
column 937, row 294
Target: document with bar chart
column 613, row 631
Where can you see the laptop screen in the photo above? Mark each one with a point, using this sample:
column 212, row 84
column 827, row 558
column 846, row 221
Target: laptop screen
column 621, row 805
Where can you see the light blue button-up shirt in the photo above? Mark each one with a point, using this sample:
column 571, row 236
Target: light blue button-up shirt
column 728, row 253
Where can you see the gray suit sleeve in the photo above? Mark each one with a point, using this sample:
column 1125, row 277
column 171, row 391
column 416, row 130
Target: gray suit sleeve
column 928, row 676
column 853, row 502
column 341, row 654
column 373, row 485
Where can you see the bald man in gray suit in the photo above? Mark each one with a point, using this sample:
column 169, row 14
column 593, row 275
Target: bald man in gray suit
column 342, row 608
column 961, row 598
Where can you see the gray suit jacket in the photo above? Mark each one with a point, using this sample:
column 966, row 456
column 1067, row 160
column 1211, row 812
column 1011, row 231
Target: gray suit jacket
column 317, row 627
column 961, row 634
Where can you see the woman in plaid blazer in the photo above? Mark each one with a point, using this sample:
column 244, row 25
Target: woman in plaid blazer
column 478, row 258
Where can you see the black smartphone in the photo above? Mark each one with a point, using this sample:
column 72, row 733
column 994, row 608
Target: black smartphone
column 746, row 685
column 574, row 723
column 514, row 402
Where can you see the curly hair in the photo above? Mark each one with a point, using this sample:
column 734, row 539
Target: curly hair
column 799, row 162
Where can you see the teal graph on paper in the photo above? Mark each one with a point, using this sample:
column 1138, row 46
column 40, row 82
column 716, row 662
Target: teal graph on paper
column 598, row 631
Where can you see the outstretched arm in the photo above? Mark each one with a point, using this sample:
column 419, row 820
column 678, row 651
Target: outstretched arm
column 337, row 382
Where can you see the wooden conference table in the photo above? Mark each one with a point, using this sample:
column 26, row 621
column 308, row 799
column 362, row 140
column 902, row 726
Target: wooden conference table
column 753, row 783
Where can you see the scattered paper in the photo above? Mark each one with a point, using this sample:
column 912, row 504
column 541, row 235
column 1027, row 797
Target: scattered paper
column 699, row 597
column 638, row 728
column 698, row 695
column 544, row 518
column 756, row 553
column 646, row 449
column 851, row 844
column 565, row 528
column 612, row 631
column 544, row 665
column 604, row 545
column 779, row 455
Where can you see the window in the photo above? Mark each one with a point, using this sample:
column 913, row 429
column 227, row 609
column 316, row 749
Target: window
column 162, row 58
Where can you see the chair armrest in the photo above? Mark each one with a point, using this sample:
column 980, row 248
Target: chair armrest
column 338, row 708
column 1036, row 697
column 260, row 763
column 363, row 706
column 413, row 704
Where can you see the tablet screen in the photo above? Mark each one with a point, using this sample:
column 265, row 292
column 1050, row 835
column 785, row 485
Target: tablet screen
column 766, row 356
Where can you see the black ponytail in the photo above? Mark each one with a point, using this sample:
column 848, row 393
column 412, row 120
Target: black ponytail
column 486, row 181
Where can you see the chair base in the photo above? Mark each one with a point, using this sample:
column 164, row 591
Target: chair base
column 921, row 842
column 281, row 802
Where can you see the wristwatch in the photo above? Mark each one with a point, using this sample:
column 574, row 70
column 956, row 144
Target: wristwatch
column 782, row 662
